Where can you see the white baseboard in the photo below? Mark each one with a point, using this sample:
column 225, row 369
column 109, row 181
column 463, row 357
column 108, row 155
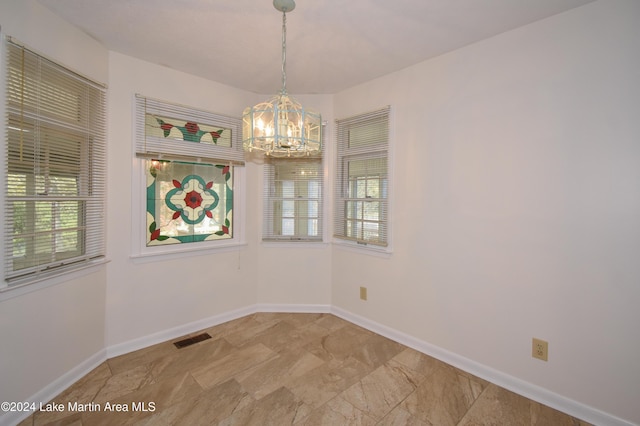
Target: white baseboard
column 506, row 381
column 172, row 333
column 307, row 309
column 526, row 389
column 181, row 330
column 54, row 388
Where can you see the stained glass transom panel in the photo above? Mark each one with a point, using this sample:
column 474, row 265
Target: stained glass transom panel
column 189, row 131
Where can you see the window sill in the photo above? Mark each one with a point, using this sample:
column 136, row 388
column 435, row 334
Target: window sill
column 36, row 284
column 370, row 250
column 295, row 244
column 182, row 252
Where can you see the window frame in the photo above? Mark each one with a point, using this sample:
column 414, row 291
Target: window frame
column 269, row 235
column 355, row 213
column 298, row 194
column 89, row 190
column 378, row 148
column 230, row 156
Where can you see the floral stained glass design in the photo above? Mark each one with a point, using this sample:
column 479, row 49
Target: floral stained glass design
column 188, row 202
column 189, row 131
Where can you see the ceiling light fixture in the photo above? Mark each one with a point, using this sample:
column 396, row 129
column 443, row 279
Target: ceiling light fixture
column 281, row 126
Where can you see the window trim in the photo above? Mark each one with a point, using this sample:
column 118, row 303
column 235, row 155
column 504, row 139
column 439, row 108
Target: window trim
column 154, row 147
column 323, row 202
column 339, row 157
column 268, row 235
column 79, row 265
column 140, row 252
column 44, row 282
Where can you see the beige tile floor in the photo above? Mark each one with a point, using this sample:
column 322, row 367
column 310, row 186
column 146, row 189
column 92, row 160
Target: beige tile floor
column 283, row 369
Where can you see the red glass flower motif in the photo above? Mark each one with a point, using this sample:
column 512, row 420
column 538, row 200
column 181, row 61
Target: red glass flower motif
column 191, row 127
column 193, row 199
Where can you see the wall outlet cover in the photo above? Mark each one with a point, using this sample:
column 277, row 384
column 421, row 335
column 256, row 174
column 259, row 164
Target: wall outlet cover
column 540, row 349
column 363, row 293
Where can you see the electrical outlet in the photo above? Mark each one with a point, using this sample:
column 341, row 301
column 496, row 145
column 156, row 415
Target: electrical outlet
column 540, row 349
column 363, row 293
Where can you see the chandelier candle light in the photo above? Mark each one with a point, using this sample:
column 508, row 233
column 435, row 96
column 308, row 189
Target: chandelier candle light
column 281, row 126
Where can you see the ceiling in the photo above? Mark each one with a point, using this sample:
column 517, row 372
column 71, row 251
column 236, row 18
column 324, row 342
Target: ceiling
column 331, row 44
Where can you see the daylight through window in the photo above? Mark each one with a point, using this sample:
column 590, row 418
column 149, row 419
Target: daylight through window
column 362, row 181
column 55, row 173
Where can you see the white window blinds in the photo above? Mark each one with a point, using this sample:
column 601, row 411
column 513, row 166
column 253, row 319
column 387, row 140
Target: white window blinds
column 293, row 198
column 55, row 174
column 166, row 130
column 362, row 181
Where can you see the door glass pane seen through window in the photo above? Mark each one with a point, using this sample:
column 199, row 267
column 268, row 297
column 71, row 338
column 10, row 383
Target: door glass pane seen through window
column 293, row 200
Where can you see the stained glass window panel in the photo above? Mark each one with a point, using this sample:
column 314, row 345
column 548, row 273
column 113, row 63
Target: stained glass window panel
column 190, row 131
column 188, row 202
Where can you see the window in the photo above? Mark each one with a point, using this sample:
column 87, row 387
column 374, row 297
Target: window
column 190, row 160
column 293, row 193
column 362, row 182
column 55, row 168
column 188, row 202
column 293, row 200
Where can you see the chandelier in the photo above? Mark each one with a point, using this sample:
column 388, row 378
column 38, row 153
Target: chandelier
column 281, row 126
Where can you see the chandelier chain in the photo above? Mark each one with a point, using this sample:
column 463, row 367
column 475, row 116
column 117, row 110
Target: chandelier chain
column 281, row 127
column 284, row 52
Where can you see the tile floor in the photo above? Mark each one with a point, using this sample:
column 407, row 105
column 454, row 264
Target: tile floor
column 283, row 369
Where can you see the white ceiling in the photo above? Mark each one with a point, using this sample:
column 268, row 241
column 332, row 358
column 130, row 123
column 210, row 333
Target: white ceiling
column 331, row 44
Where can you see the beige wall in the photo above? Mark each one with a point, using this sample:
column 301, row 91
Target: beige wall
column 516, row 210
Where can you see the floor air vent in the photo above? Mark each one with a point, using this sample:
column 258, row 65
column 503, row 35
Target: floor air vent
column 191, row 340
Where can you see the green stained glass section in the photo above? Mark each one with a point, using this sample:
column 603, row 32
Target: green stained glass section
column 188, row 202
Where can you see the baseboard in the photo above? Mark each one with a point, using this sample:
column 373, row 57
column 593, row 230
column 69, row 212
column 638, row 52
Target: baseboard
column 172, row 333
column 293, row 308
column 54, row 388
column 528, row 390
column 179, row 331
